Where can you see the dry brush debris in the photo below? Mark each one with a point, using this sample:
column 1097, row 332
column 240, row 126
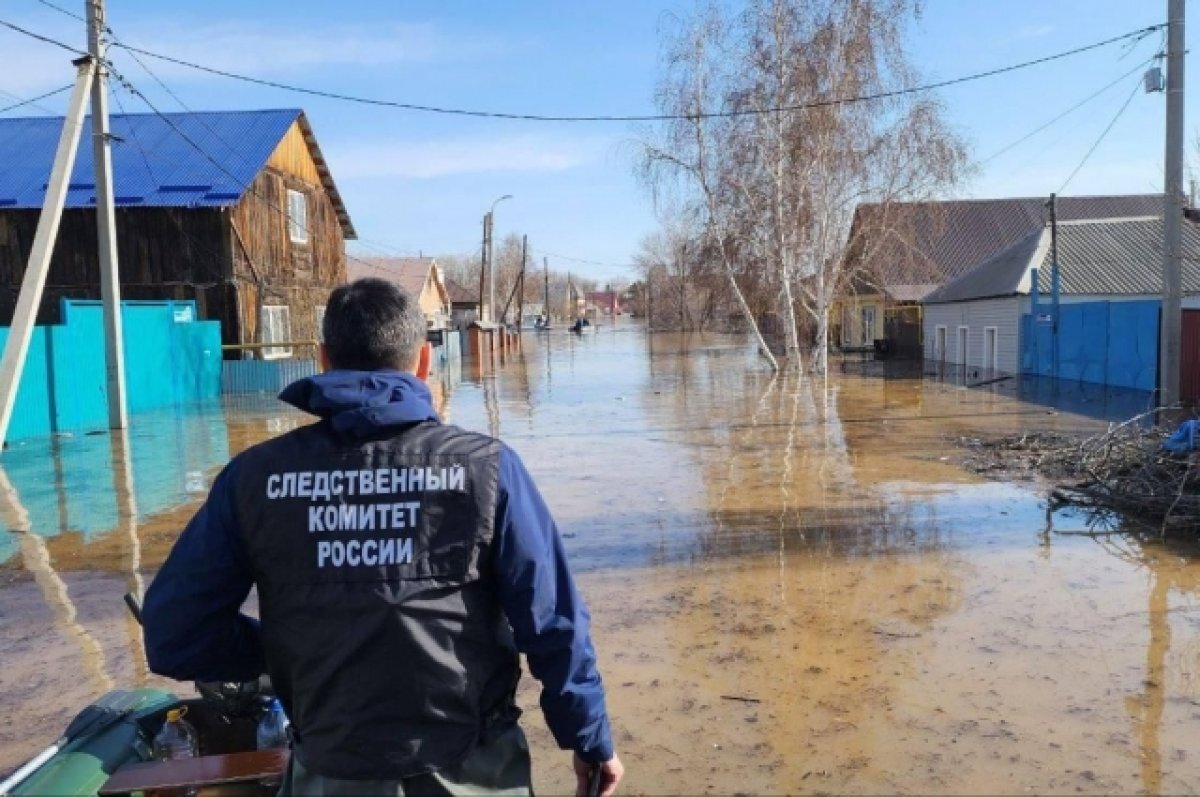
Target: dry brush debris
column 1124, row 469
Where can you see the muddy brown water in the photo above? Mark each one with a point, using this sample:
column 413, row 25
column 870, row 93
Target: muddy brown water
column 794, row 585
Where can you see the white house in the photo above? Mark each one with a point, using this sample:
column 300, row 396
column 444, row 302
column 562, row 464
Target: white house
column 975, row 320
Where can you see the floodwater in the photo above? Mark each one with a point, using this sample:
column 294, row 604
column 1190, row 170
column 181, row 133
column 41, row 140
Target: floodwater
column 794, row 586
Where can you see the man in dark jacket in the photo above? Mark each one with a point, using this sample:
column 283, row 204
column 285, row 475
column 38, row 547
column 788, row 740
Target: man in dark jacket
column 400, row 565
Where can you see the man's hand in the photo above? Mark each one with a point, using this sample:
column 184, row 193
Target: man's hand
column 611, row 772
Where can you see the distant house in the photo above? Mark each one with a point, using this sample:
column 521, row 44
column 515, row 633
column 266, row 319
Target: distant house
column 998, row 317
column 603, row 302
column 464, row 304
column 236, row 210
column 420, row 276
column 903, row 252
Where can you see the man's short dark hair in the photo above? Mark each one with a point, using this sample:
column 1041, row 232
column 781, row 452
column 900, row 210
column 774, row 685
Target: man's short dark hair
column 373, row 325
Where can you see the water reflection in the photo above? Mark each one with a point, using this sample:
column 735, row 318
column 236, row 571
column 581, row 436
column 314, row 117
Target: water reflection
column 811, row 545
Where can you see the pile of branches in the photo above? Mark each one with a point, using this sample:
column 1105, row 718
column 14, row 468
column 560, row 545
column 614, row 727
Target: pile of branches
column 1127, row 470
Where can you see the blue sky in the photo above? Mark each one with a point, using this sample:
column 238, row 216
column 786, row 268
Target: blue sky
column 415, row 182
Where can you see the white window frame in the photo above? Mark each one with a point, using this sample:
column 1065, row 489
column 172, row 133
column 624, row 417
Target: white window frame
column 962, row 341
column 867, row 332
column 319, row 317
column 275, row 326
column 297, row 207
column 939, row 343
column 991, row 348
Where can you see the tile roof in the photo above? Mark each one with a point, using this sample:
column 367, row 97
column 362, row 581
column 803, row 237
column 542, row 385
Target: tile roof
column 1115, row 257
column 154, row 165
column 933, row 242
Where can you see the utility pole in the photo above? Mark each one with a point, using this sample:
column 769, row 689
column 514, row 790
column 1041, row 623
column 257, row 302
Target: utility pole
column 546, row 298
column 110, row 282
column 483, row 264
column 1055, row 281
column 521, row 281
column 1170, row 330
column 12, row 363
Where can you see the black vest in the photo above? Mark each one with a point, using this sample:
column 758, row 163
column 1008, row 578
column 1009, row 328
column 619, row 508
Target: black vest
column 383, row 635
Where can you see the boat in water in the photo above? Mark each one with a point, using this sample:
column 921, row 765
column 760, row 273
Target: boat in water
column 108, row 749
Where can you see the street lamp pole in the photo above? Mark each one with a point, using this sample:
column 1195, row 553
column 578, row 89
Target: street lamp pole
column 491, row 249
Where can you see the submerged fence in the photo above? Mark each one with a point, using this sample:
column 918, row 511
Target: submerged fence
column 170, row 358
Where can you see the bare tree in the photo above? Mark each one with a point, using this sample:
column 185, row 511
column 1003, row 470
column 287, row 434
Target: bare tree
column 778, row 179
column 687, row 162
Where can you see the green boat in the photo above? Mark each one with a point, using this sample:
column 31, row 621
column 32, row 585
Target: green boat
column 107, row 749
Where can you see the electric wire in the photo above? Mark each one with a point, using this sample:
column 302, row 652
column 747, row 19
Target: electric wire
column 1104, row 89
column 34, row 100
column 61, row 10
column 191, row 142
column 1103, row 135
column 1135, row 35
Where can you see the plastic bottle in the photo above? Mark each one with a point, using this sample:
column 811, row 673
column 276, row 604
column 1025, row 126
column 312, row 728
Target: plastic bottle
column 273, row 727
column 177, row 739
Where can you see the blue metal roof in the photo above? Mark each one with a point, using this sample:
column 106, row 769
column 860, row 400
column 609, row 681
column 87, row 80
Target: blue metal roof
column 154, row 165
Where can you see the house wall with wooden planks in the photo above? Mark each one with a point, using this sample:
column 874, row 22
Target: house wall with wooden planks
column 163, row 253
column 269, row 267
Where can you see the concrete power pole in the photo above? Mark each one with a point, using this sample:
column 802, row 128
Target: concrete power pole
column 12, row 362
column 1171, row 318
column 110, row 283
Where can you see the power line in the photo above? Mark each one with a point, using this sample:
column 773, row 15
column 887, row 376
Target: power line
column 249, row 187
column 61, row 10
column 1103, row 134
column 44, row 39
column 1065, row 113
column 1136, row 35
column 34, row 101
column 582, row 260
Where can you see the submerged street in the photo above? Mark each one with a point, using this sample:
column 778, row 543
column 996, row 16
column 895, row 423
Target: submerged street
column 795, row 586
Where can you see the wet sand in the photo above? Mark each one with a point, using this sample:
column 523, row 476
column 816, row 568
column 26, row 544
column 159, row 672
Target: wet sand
column 794, row 586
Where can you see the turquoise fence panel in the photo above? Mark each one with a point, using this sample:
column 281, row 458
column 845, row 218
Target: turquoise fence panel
column 170, row 359
column 33, row 409
column 79, row 383
column 199, row 375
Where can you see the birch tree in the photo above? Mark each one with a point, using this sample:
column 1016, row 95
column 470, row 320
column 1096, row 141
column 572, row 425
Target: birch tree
column 819, row 122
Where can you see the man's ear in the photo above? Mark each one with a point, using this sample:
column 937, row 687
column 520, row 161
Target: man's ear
column 424, row 361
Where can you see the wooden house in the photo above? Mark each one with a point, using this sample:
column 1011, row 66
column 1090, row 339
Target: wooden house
column 419, row 276
column 236, row 210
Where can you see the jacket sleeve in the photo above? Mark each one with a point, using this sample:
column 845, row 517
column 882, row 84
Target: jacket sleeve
column 547, row 615
column 193, row 627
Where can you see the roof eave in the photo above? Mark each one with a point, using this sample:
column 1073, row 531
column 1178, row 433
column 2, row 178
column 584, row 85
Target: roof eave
column 348, row 231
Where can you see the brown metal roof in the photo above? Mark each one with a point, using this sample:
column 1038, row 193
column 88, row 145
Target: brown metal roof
column 410, row 273
column 459, row 294
column 932, row 242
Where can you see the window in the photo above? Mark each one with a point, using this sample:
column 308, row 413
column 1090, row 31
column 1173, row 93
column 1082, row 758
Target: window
column 320, row 318
column 276, row 328
column 963, row 333
column 297, row 216
column 868, row 326
column 989, row 348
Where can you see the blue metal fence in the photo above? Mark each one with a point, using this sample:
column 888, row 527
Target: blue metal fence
column 1103, row 343
column 263, row 376
column 170, row 359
